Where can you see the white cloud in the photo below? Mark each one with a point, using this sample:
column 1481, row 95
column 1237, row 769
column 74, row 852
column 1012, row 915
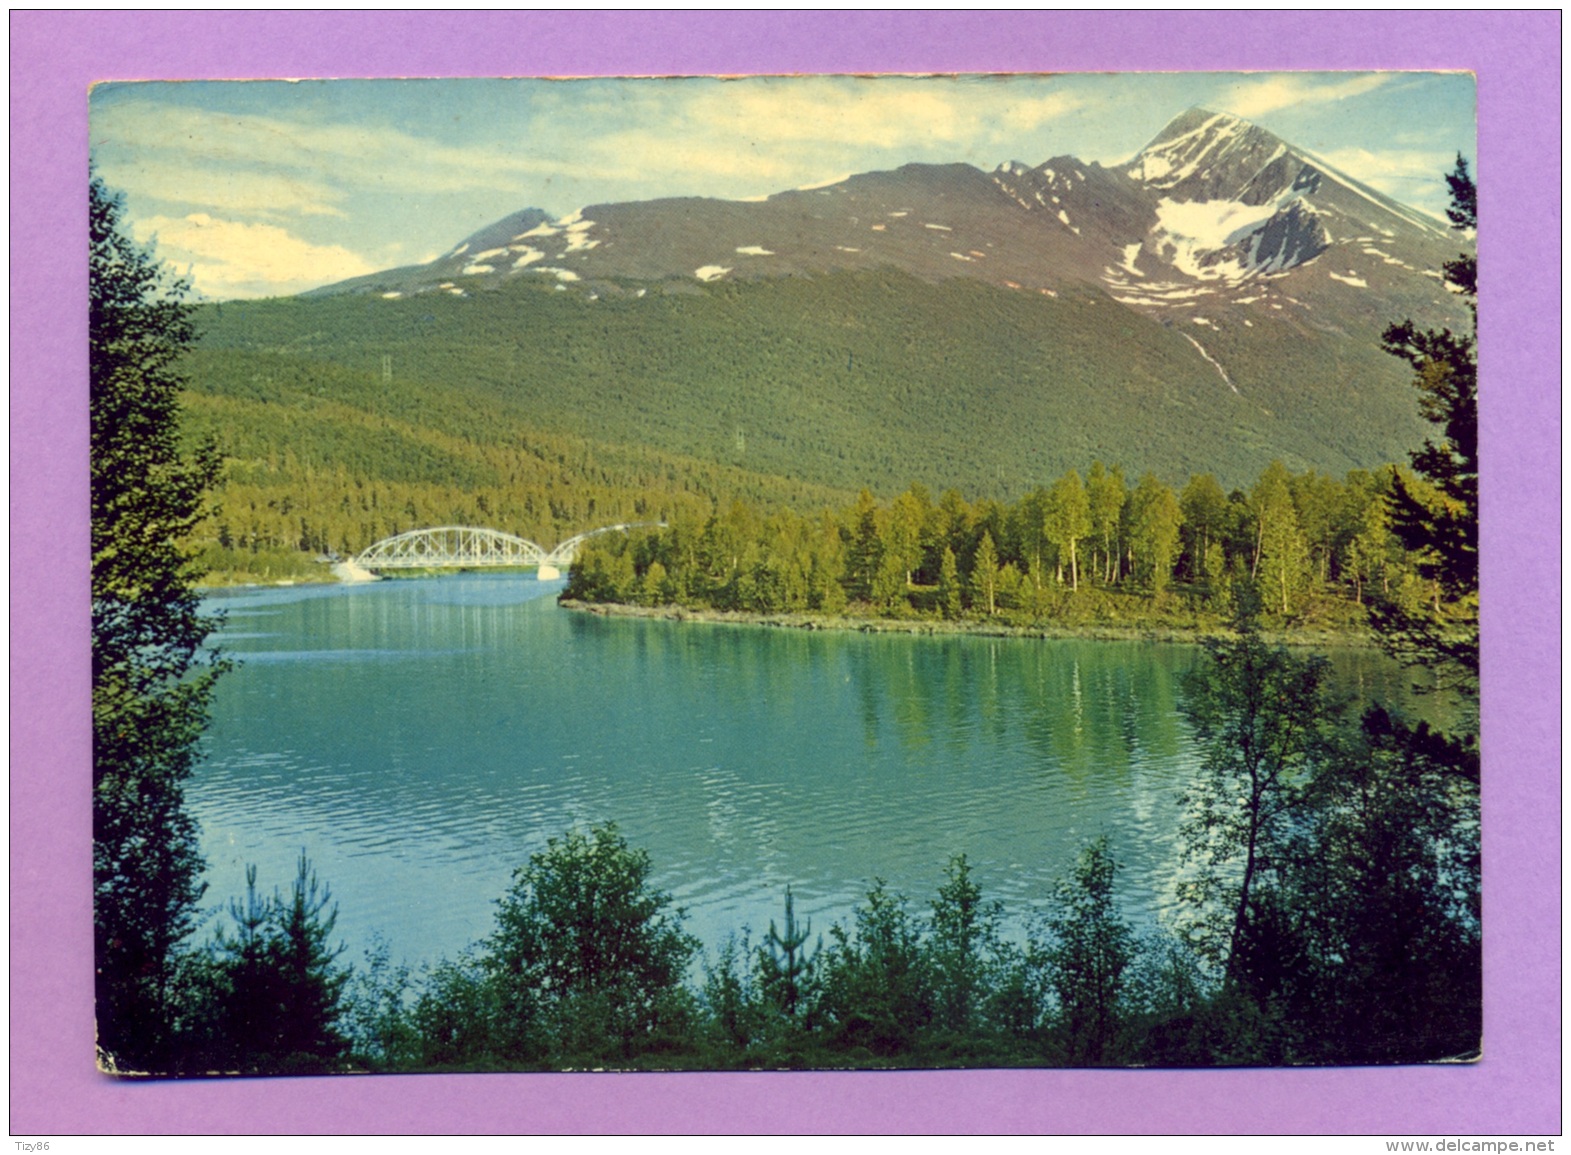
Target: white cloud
column 274, row 195
column 1255, row 98
column 1412, row 176
column 165, row 142
column 229, row 259
column 662, row 137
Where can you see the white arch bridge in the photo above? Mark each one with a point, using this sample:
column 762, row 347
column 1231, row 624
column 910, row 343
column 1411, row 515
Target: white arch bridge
column 470, row 547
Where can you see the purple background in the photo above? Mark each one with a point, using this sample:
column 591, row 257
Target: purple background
column 54, row 57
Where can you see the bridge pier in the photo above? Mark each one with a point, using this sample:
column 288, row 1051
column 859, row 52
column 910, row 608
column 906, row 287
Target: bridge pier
column 350, row 570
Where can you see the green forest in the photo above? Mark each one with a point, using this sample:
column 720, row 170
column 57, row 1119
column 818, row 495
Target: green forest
column 344, row 419
column 854, row 379
column 1089, row 552
column 1329, row 893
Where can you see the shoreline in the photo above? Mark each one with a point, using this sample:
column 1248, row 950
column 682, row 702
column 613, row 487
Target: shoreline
column 937, row 627
column 914, row 627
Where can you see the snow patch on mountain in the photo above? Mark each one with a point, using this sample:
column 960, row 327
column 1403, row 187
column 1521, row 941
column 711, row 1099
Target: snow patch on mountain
column 578, row 237
column 711, row 272
column 528, row 257
column 1194, row 228
column 1172, row 161
column 755, row 251
column 1352, row 278
column 560, row 274
column 940, row 228
column 823, row 184
column 1130, row 253
column 474, row 269
column 1387, row 258
column 541, row 230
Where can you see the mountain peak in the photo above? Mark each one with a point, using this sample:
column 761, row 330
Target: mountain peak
column 1197, row 117
column 1206, row 155
column 1205, row 211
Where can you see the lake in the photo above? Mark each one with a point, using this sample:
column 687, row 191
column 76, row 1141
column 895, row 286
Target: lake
column 419, row 739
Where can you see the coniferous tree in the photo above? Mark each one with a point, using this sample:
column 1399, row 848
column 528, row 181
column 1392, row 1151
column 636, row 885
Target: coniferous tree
column 313, row 981
column 786, row 969
column 151, row 678
column 280, row 987
column 1439, row 525
column 865, row 551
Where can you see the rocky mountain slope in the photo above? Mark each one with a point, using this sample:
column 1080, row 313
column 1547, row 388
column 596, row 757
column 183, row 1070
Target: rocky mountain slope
column 1213, row 303
column 1213, row 213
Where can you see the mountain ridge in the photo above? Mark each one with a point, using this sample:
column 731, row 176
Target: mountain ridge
column 1214, row 203
column 1208, row 305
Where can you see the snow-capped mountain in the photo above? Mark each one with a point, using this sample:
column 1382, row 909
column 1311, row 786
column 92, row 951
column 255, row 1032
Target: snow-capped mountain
column 1266, row 274
column 1232, row 208
column 1214, row 213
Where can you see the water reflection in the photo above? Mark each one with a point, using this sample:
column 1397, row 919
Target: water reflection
column 421, row 739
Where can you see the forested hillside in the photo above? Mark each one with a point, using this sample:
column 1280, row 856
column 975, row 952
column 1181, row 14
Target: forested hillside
column 346, row 418
column 322, row 459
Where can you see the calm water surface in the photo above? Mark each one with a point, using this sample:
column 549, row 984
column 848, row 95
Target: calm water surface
column 420, row 739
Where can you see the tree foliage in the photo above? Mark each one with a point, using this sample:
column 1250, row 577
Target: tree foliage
column 787, row 970
column 151, row 678
column 1260, row 715
column 279, row 991
column 1436, row 515
column 1092, row 950
column 586, row 952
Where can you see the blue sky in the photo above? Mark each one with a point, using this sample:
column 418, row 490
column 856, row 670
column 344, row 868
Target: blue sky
column 270, row 187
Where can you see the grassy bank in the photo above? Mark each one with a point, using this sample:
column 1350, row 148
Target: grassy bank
column 223, row 568
column 1166, row 631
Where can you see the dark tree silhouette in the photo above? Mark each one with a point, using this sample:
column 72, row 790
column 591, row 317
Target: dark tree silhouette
column 151, row 675
column 1436, row 516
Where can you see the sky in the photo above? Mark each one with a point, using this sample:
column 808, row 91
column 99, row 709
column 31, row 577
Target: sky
column 267, row 188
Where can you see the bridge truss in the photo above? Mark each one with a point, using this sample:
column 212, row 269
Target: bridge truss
column 471, row 547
